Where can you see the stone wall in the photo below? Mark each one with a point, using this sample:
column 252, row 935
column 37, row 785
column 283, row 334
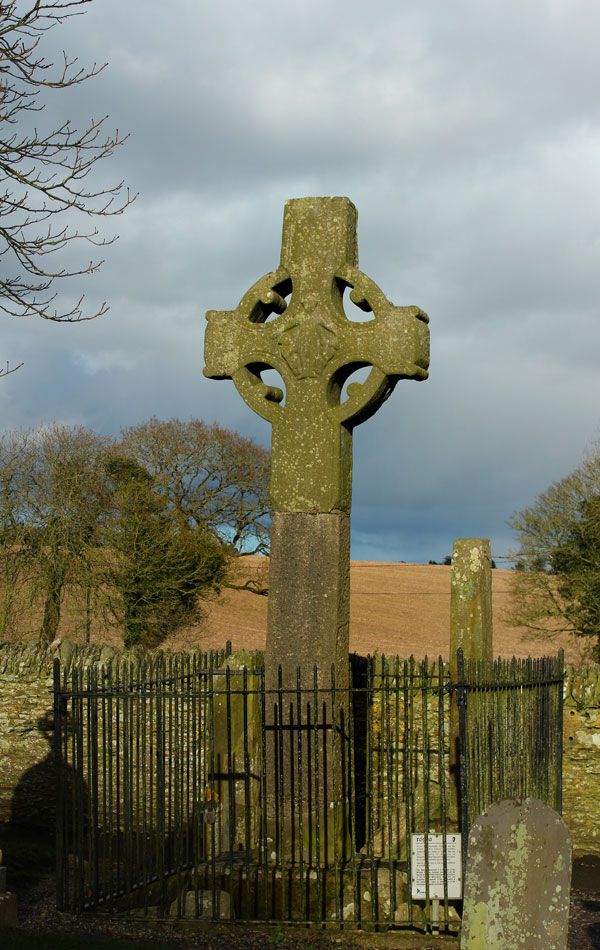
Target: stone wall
column 26, row 766
column 25, row 727
column 26, row 722
column 581, row 760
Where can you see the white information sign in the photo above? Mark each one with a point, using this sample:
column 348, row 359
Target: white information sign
column 435, row 849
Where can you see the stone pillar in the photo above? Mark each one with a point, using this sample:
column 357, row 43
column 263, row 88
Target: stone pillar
column 308, row 628
column 309, row 595
column 470, row 628
column 471, row 600
column 237, row 726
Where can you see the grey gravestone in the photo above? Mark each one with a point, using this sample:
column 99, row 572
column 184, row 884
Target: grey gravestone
column 518, row 878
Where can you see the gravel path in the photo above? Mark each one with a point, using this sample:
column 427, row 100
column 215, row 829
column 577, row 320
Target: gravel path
column 37, row 914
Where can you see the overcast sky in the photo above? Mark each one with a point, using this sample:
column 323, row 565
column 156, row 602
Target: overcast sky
column 468, row 136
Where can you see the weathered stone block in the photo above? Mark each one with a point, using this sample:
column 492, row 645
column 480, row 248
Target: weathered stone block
column 237, row 737
column 201, row 905
column 8, row 910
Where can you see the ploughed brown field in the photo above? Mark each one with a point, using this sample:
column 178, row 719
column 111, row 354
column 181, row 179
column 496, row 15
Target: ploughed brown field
column 394, row 609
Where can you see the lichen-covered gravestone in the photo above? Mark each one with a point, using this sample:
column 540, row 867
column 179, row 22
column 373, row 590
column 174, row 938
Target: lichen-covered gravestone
column 314, row 347
column 517, row 879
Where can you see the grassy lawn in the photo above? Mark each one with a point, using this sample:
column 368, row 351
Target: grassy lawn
column 28, row 854
column 22, row 940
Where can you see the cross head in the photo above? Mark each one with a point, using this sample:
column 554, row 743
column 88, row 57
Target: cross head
column 314, row 347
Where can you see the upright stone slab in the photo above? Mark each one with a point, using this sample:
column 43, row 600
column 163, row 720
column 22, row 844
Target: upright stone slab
column 517, row 879
column 237, row 737
column 471, row 599
column 470, row 628
column 314, row 347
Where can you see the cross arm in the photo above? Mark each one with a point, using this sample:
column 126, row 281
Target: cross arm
column 395, row 343
column 228, row 338
column 237, row 346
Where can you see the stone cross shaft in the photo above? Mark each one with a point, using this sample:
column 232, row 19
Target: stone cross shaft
column 315, row 347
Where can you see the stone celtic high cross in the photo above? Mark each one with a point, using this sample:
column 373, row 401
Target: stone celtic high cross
column 314, row 347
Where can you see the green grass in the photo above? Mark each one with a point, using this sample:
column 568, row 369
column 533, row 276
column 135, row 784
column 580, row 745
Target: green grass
column 28, row 854
column 22, row 940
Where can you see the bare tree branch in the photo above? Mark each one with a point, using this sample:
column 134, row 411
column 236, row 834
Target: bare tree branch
column 9, row 369
column 46, row 175
column 212, row 478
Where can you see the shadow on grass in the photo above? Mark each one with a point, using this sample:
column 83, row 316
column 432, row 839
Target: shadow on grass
column 586, row 872
column 29, row 855
column 22, row 940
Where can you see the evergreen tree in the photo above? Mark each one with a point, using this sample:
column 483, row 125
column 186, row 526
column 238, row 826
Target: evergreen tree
column 157, row 566
column 556, row 582
column 577, row 566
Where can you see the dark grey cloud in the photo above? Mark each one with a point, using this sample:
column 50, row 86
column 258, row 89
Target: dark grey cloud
column 467, row 134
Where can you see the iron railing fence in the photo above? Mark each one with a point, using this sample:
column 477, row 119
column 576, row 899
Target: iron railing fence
column 187, row 788
column 511, row 714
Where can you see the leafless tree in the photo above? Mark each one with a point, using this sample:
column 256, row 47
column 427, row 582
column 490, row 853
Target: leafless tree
column 17, row 454
column 46, row 180
column 212, row 477
column 63, row 511
column 53, row 498
column 133, row 533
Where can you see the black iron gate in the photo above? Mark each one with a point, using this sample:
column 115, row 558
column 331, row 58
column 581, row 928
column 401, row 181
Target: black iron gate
column 186, row 788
